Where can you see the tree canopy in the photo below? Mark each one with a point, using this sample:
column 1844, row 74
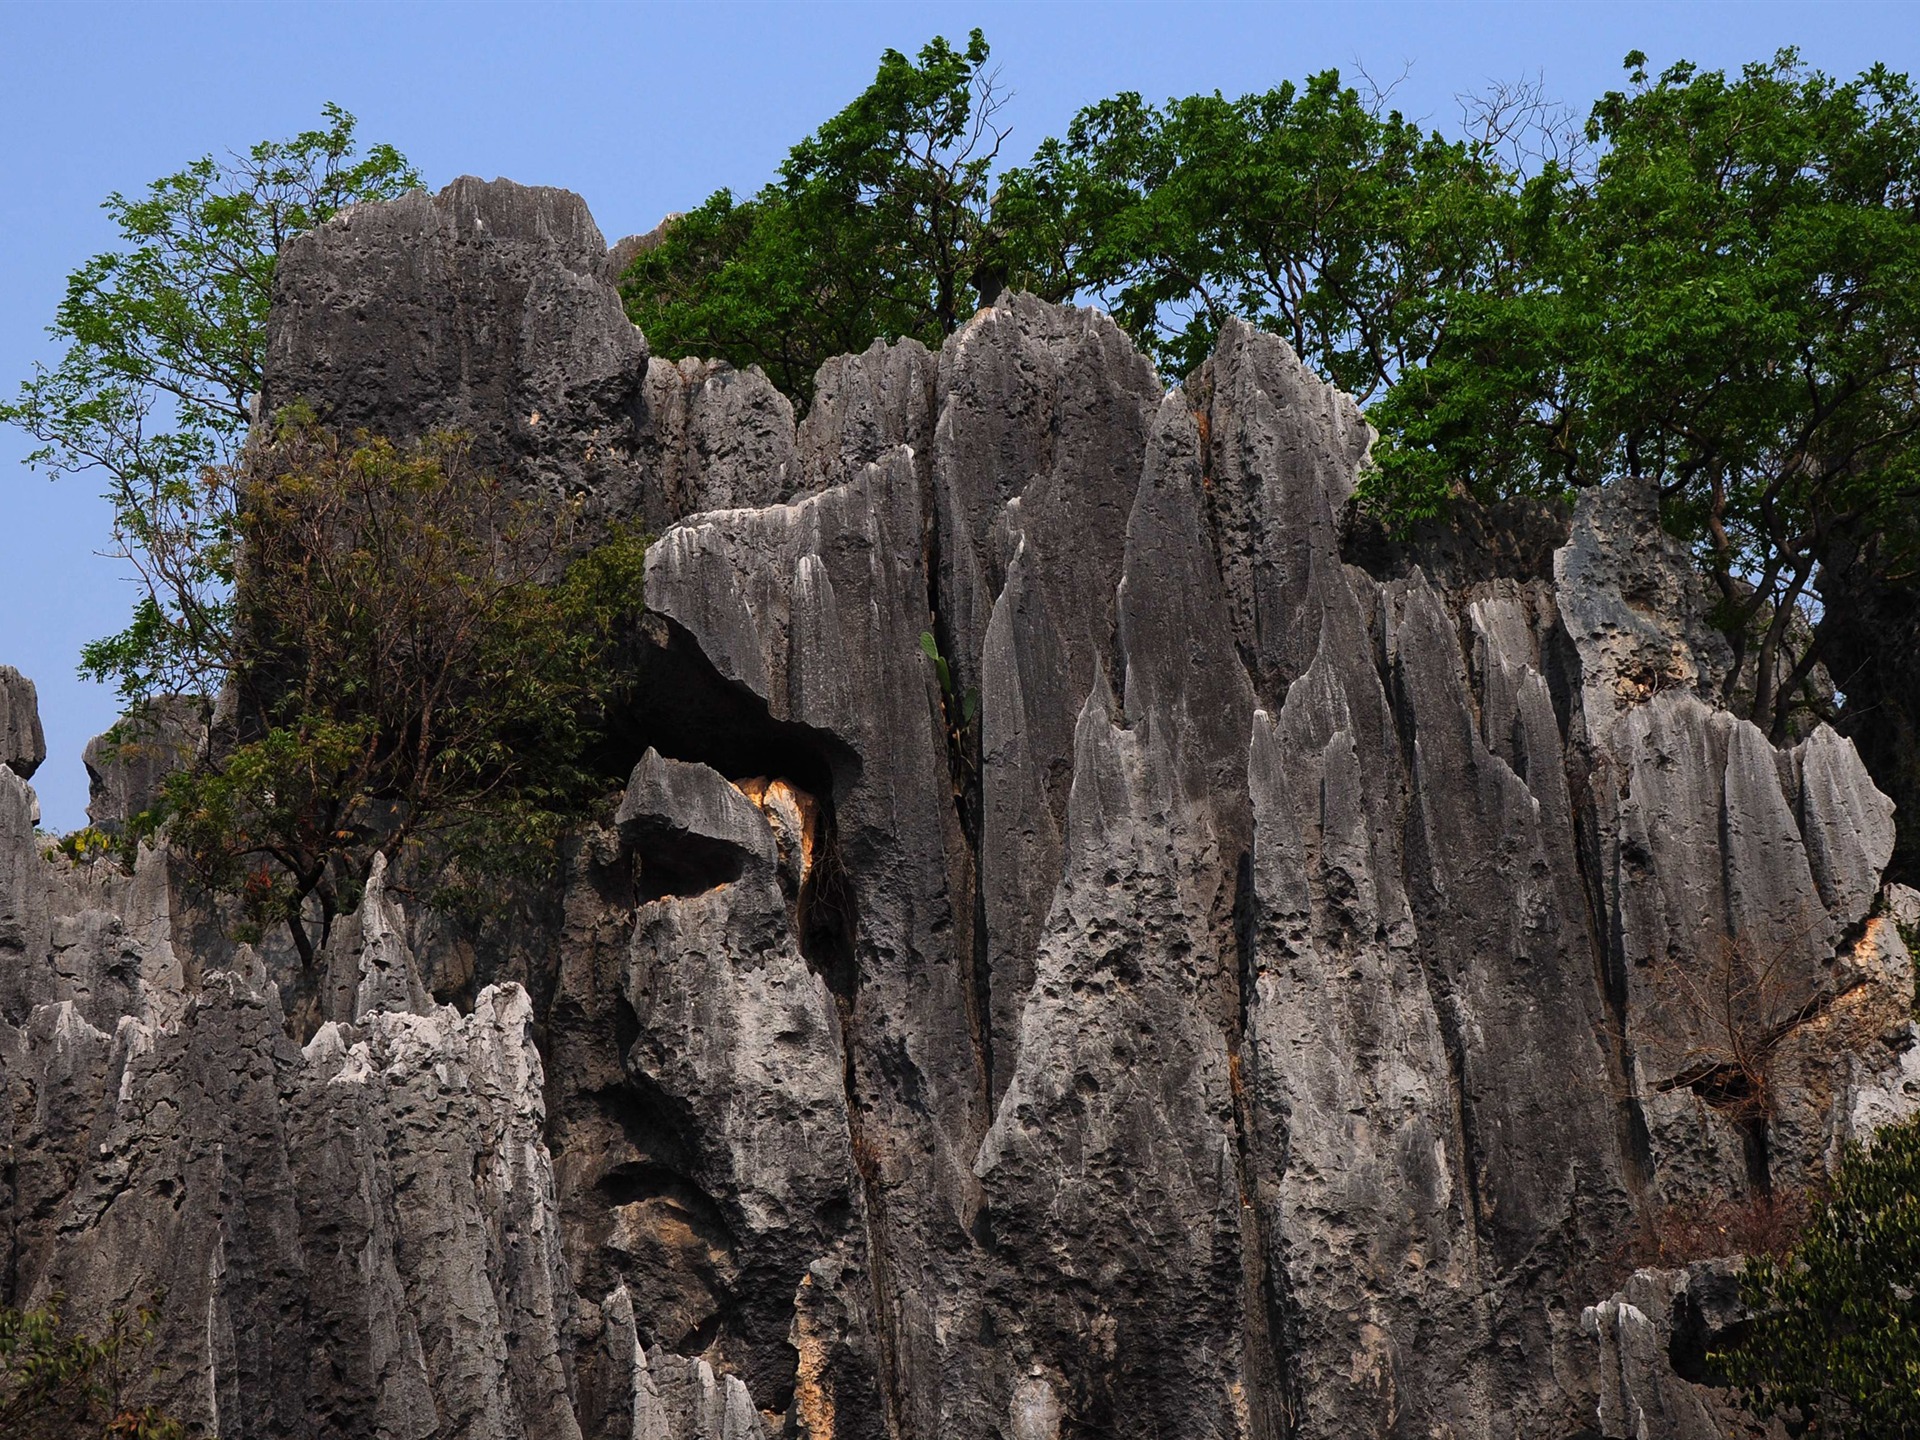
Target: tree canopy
column 164, row 341
column 417, row 657
column 872, row 228
column 1313, row 211
column 1726, row 302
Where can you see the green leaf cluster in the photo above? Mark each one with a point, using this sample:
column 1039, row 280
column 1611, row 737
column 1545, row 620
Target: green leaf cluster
column 967, row 705
column 164, row 339
column 871, row 229
column 88, row 845
column 418, row 658
column 1836, row 1342
column 58, row 1383
column 1313, row 211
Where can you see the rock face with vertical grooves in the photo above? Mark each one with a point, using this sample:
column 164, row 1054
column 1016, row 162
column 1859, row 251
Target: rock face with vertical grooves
column 1255, row 996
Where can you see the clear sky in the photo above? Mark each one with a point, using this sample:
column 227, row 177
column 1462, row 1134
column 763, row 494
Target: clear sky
column 645, row 109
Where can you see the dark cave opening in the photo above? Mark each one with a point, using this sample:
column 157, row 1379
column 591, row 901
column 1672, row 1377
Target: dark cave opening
column 686, row 709
column 716, row 1292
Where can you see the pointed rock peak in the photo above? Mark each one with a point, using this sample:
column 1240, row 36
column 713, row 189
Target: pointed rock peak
column 631, row 248
column 1248, row 361
column 1101, row 701
column 389, row 980
column 23, row 745
column 1633, row 604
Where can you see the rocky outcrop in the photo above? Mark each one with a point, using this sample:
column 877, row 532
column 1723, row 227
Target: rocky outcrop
column 1252, row 994
column 22, row 744
column 127, row 766
column 486, row 309
column 1655, row 1339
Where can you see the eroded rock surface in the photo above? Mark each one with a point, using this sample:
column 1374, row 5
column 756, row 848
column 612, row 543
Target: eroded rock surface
column 22, row 744
column 127, row 766
column 1258, row 996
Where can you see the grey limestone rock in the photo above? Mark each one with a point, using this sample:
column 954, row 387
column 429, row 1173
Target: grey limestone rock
column 25, row 924
column 1633, row 606
column 127, row 766
column 369, row 967
column 864, row 405
column 22, row 744
column 680, row 813
column 712, row 438
column 1657, row 1316
column 740, row 1040
column 481, row 309
column 488, row 309
column 1253, row 998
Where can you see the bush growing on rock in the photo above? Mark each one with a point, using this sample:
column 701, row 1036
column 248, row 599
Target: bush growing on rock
column 58, row 1383
column 414, row 658
column 1836, row 1341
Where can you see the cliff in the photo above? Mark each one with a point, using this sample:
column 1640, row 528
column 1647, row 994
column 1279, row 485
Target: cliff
column 1282, row 1012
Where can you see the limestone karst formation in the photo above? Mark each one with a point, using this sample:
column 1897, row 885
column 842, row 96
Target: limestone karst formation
column 1278, row 1015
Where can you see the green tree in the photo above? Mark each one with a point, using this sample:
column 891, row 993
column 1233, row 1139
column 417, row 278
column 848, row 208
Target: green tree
column 1315, row 212
column 1836, row 1336
column 58, row 1383
column 1726, row 302
column 414, row 661
column 164, row 339
column 872, row 229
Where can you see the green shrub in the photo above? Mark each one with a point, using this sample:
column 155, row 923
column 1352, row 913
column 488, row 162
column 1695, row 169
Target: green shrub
column 1837, row 1334
column 58, row 1383
column 417, row 658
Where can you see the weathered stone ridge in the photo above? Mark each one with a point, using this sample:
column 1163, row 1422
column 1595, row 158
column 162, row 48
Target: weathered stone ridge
column 1273, row 1005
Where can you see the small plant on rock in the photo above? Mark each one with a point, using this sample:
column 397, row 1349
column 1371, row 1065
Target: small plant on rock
column 961, row 712
column 58, row 1383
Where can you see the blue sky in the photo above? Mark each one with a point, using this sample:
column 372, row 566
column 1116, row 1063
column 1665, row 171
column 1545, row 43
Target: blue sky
column 645, row 109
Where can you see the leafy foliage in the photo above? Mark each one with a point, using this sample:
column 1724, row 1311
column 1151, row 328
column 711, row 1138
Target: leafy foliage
column 164, row 349
column 57, row 1383
column 1728, row 303
column 1715, row 285
column 412, row 660
column 1314, row 212
column 872, row 229
column 962, row 712
column 1837, row 1337
column 87, row 845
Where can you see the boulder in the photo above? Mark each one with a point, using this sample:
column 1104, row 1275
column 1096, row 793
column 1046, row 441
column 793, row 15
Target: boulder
column 127, row 766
